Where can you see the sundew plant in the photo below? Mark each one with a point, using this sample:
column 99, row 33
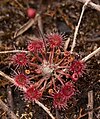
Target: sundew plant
column 46, row 69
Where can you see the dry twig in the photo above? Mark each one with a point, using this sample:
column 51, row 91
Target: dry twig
column 66, row 44
column 7, row 77
column 13, row 51
column 91, row 55
column 10, row 97
column 91, row 4
column 90, row 104
column 77, row 27
column 45, row 108
column 26, row 26
column 40, row 25
column 7, row 109
column 80, row 114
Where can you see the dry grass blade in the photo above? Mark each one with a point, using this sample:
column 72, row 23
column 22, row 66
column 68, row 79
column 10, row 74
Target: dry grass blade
column 91, row 55
column 25, row 27
column 78, row 25
column 45, row 108
column 40, row 25
column 66, row 44
column 14, row 51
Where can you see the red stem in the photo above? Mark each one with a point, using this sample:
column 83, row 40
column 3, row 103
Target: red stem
column 53, row 81
column 37, row 56
column 63, row 73
column 59, row 78
column 51, row 56
column 60, row 61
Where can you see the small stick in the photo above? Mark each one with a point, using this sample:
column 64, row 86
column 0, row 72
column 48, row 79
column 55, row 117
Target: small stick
column 93, row 40
column 66, row 44
column 90, row 104
column 91, row 55
column 77, row 27
column 80, row 114
column 7, row 109
column 40, row 26
column 10, row 97
column 13, row 51
column 45, row 108
column 7, row 77
column 26, row 26
column 24, row 89
column 91, row 4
